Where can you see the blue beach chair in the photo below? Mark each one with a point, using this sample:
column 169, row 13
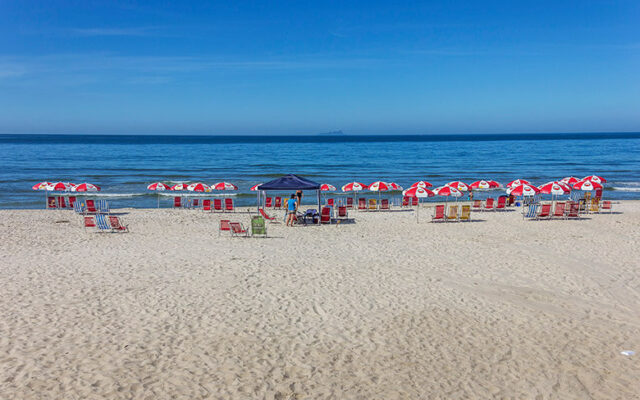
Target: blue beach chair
column 102, row 224
column 78, row 207
column 103, row 207
column 532, row 211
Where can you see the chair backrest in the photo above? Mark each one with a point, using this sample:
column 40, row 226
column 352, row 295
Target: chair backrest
column 384, row 204
column 350, row 202
column 72, row 201
column 195, row 202
column 217, row 204
column 453, row 212
column 77, row 207
column 91, row 205
column 466, row 212
column 606, row 205
column 559, row 210
column 587, row 196
column 595, row 204
column 439, row 211
column 502, row 201
column 362, row 203
column 330, row 202
column 177, row 201
column 225, row 225
column 115, row 223
column 258, row 226
column 488, row 203
column 278, row 202
column 265, row 215
column 373, row 204
column 574, row 210
column 325, row 214
column 228, row 204
column 545, row 210
column 268, row 202
column 532, row 211
column 101, row 221
column 414, row 201
column 236, row 227
column 89, row 221
column 405, row 201
column 61, row 202
column 342, row 211
column 51, row 202
column 206, row 204
column 477, row 204
column 103, row 206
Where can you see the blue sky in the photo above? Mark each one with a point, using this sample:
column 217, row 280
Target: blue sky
column 307, row 67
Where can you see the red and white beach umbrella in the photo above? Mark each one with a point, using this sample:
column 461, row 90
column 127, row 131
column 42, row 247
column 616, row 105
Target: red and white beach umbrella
column 570, row 180
column 595, row 178
column 554, row 188
column 354, row 187
column 587, row 185
column 518, row 182
column 379, row 186
column 325, row 187
column 447, row 191
column 60, row 186
column 523, row 190
column 86, row 187
column 395, row 186
column 158, row 186
column 461, row 186
column 418, row 192
column 224, row 186
column 199, row 187
column 488, row 184
column 254, row 188
column 41, row 185
column 179, row 186
column 422, row 184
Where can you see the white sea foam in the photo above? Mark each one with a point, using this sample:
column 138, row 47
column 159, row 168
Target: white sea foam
column 626, row 189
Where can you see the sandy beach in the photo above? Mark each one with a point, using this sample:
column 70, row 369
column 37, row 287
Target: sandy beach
column 384, row 308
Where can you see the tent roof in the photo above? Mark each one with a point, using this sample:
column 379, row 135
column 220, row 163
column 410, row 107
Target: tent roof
column 290, row 182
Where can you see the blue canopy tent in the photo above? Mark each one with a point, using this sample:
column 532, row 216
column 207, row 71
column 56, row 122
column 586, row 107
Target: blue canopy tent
column 289, row 182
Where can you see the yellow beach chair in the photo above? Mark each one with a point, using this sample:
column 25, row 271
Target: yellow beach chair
column 452, row 215
column 373, row 205
column 465, row 215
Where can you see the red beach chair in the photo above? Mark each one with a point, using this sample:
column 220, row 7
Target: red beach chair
column 477, row 204
column 362, row 203
column 545, row 211
column 325, row 216
column 414, row 201
column 206, row 205
column 488, row 204
column 61, row 202
column 237, row 229
column 177, row 202
column 217, row 205
column 342, row 212
column 439, row 214
column 349, row 202
column 268, row 202
column 405, row 201
column 267, row 217
column 330, row 202
column 117, row 225
column 606, row 205
column 224, row 226
column 558, row 211
column 502, row 202
column 51, row 202
column 89, row 222
column 228, row 205
column 91, row 206
column 278, row 202
column 195, row 203
column 384, row 204
column 574, row 210
column 72, row 201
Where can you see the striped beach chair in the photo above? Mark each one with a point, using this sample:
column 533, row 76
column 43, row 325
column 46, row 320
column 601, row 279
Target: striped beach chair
column 103, row 207
column 532, row 211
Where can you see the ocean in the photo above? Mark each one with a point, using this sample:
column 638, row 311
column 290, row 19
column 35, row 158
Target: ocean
column 124, row 165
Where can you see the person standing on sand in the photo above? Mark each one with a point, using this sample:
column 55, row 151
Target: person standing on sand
column 299, row 196
column 292, row 207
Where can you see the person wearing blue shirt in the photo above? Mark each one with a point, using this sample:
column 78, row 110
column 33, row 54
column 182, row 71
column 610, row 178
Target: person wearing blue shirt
column 292, row 207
